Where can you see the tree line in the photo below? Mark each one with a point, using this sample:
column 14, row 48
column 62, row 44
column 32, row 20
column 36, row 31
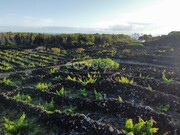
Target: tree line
column 32, row 40
column 171, row 39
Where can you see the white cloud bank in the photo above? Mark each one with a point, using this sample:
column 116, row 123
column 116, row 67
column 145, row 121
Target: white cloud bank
column 160, row 18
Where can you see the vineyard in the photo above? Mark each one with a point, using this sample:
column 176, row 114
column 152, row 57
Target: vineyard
column 120, row 89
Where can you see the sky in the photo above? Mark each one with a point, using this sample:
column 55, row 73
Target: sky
column 154, row 17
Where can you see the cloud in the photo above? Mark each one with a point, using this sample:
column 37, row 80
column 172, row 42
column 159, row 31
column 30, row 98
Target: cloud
column 132, row 27
column 32, row 21
column 127, row 27
column 114, row 29
column 159, row 18
column 49, row 29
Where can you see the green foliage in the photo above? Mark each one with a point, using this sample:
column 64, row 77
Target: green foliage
column 57, row 78
column 103, row 64
column 7, row 81
column 146, row 37
column 43, row 86
column 71, row 78
column 172, row 49
column 83, row 93
column 89, row 79
column 162, row 51
column 130, row 133
column 24, row 40
column 49, row 106
column 61, row 92
column 98, row 95
column 149, row 87
column 56, row 50
column 124, row 80
column 126, row 51
column 141, row 128
column 5, row 66
column 31, row 64
column 70, row 109
column 165, row 79
column 18, row 127
column 124, row 68
column 52, row 70
column 23, row 97
column 129, row 124
column 162, row 108
column 120, row 99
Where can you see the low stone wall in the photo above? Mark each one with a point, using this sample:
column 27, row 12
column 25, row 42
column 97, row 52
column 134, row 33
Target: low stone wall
column 67, row 122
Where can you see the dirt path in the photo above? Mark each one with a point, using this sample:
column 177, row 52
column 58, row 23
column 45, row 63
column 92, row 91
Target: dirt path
column 140, row 63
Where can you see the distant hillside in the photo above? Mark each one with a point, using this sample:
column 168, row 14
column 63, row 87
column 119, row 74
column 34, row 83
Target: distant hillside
column 172, row 39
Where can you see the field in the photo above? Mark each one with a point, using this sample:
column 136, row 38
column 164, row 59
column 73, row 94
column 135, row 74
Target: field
column 91, row 90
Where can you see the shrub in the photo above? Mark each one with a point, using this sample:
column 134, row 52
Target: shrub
column 56, row 50
column 80, row 50
column 124, row 80
column 83, row 93
column 90, row 79
column 165, row 79
column 52, row 70
column 70, row 109
column 18, row 127
column 84, row 81
column 57, row 78
column 162, row 108
column 23, row 97
column 61, row 92
column 103, row 64
column 49, row 106
column 120, row 99
column 141, row 128
column 98, row 95
column 126, row 51
column 43, row 86
column 7, row 81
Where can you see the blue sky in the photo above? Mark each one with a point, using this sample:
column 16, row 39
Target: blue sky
column 90, row 16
